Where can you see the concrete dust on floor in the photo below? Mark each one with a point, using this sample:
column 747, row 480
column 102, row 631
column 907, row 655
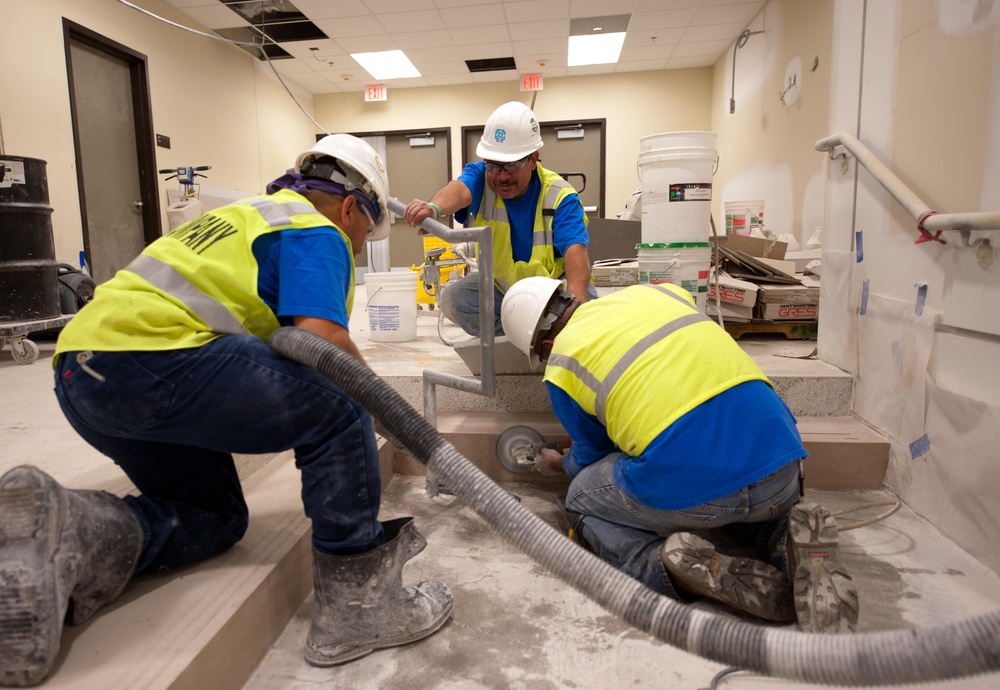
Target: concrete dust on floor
column 516, row 626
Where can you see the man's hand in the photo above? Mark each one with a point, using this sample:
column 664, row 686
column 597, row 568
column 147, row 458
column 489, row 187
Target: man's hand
column 549, row 462
column 417, row 211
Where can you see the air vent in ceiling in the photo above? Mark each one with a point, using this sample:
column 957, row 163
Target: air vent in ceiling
column 491, row 64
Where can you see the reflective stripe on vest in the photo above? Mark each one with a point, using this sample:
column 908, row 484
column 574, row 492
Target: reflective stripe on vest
column 278, row 215
column 169, row 280
column 603, row 388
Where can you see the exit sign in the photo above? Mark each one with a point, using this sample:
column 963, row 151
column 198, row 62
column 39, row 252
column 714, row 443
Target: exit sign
column 531, row 82
column 376, row 92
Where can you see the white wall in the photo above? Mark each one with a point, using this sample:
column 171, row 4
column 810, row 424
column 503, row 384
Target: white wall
column 218, row 105
column 925, row 351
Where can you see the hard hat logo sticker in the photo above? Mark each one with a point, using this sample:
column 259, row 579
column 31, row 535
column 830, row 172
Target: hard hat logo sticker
column 500, row 135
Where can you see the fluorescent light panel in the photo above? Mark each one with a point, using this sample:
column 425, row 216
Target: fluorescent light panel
column 596, row 40
column 388, row 64
column 599, row 49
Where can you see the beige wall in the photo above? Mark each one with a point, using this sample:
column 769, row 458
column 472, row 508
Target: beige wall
column 766, row 146
column 217, row 106
column 634, row 104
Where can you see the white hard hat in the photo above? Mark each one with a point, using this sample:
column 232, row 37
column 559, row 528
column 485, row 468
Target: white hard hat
column 363, row 170
column 524, row 310
column 511, row 133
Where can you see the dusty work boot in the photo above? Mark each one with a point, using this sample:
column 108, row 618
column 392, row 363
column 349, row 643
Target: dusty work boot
column 826, row 599
column 743, row 583
column 361, row 605
column 63, row 555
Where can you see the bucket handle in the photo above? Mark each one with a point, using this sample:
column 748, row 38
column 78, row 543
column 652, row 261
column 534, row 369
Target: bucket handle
column 715, row 169
column 371, row 297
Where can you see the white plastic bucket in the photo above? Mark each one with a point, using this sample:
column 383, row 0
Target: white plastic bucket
column 181, row 211
column 677, row 140
column 684, row 264
column 392, row 306
column 742, row 217
column 675, row 170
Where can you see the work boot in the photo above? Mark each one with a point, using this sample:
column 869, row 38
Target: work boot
column 63, row 555
column 361, row 605
column 825, row 597
column 745, row 584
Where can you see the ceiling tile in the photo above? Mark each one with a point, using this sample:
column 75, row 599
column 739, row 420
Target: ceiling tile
column 351, row 27
column 726, row 14
column 461, row 17
column 536, row 10
column 325, row 9
column 427, row 20
column 440, row 35
column 216, row 17
column 549, row 29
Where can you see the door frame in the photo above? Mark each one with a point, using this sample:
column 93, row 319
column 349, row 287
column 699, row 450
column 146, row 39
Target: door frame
column 602, row 123
column 142, row 113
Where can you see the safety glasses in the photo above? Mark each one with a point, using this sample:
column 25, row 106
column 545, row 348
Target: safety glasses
column 511, row 167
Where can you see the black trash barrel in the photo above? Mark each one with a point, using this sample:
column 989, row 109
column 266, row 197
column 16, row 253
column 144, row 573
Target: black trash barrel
column 29, row 284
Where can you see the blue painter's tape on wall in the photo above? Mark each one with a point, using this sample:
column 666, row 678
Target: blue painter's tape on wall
column 920, row 447
column 864, row 297
column 859, row 246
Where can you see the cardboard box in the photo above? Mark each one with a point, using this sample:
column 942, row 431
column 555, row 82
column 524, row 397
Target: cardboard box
column 730, row 312
column 776, row 311
column 754, row 246
column 773, row 293
column 782, row 265
column 615, row 272
column 740, row 293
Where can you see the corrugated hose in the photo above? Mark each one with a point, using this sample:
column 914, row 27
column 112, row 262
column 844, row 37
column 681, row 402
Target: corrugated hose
column 953, row 650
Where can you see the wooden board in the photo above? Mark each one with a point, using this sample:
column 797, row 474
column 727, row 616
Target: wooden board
column 792, row 330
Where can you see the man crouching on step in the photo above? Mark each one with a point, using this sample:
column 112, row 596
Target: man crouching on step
column 168, row 372
column 674, row 430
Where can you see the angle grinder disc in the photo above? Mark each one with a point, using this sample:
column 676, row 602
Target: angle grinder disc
column 511, row 439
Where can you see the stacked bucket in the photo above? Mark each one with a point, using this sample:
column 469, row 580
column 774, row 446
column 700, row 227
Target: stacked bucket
column 676, row 171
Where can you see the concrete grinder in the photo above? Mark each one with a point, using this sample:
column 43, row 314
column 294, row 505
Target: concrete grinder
column 519, row 449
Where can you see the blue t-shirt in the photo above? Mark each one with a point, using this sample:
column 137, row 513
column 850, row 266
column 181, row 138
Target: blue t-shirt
column 304, row 273
column 723, row 445
column 568, row 227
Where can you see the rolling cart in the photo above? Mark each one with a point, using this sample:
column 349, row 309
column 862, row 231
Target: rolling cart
column 15, row 333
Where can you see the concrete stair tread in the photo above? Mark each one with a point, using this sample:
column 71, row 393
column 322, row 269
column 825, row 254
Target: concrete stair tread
column 206, row 625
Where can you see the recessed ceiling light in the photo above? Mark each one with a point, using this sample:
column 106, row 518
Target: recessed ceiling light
column 598, row 49
column 387, row 64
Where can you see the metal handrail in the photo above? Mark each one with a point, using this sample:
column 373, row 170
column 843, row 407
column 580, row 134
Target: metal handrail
column 485, row 385
column 928, row 220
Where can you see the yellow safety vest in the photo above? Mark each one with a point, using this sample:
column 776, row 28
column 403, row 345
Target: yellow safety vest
column 641, row 358
column 543, row 262
column 195, row 284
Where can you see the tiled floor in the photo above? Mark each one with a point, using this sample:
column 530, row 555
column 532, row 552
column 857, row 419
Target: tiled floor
column 515, row 625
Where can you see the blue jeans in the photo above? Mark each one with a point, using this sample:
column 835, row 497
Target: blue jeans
column 459, row 302
column 172, row 419
column 628, row 534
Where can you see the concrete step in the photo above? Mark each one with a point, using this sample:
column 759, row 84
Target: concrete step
column 810, row 387
column 207, row 625
column 844, row 454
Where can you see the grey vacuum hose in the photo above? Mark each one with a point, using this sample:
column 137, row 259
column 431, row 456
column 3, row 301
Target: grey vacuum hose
column 947, row 651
